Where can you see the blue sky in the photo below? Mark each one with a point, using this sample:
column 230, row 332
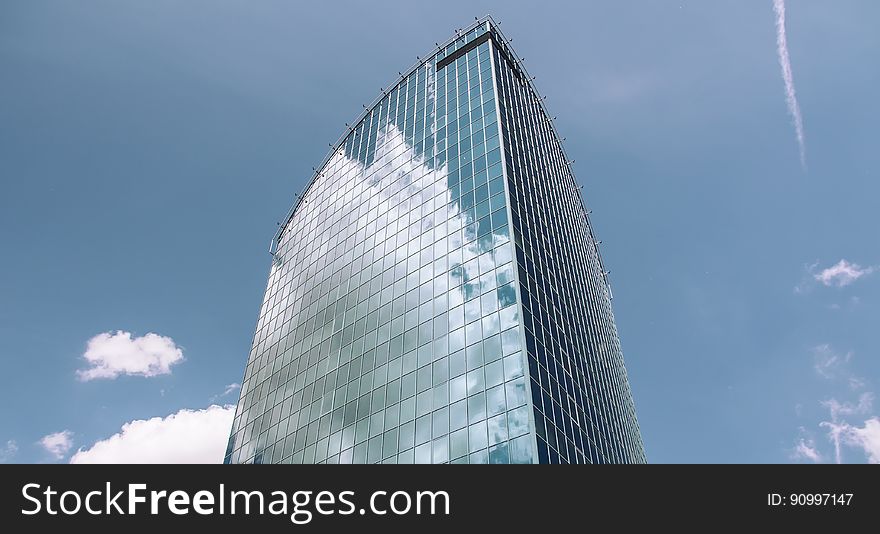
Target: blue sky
column 148, row 149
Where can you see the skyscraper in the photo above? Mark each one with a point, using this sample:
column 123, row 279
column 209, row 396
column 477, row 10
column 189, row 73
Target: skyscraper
column 436, row 294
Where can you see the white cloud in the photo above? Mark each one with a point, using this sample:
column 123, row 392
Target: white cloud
column 808, row 281
column 866, row 437
column 806, row 450
column 841, row 432
column 834, row 432
column 226, row 391
column 833, row 365
column 9, row 451
column 827, row 362
column 188, row 436
column 856, row 382
column 843, row 273
column 110, row 355
column 58, row 444
column 790, row 95
column 838, row 409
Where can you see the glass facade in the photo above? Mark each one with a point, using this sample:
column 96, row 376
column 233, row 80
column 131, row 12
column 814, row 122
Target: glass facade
column 436, row 295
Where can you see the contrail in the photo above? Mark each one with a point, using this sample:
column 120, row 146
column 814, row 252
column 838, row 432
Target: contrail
column 790, row 97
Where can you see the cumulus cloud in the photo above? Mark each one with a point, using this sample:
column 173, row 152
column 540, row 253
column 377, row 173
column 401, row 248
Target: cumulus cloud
column 840, row 432
column 58, row 444
column 187, row 436
column 843, row 273
column 9, row 451
column 113, row 354
column 866, row 437
column 842, row 429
